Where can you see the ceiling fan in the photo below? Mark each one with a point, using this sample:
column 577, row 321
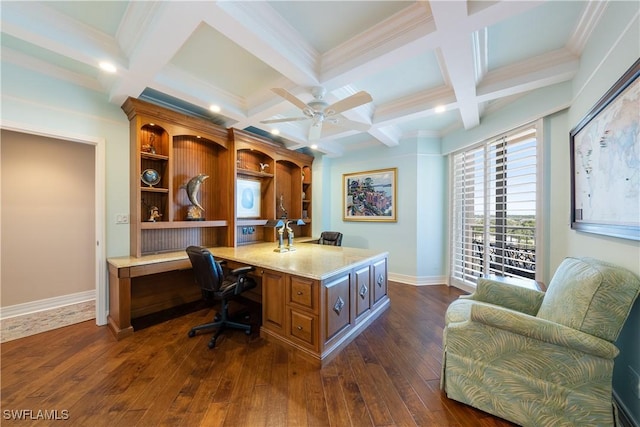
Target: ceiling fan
column 319, row 111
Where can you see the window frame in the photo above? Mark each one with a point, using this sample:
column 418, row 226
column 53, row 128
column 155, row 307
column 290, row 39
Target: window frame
column 462, row 282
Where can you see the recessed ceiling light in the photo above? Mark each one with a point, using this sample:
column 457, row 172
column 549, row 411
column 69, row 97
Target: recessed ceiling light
column 314, row 146
column 108, row 67
column 215, row 108
column 275, row 131
column 440, row 109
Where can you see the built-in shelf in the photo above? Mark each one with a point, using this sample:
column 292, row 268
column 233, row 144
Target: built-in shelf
column 148, row 225
column 249, row 172
column 153, row 156
column 154, row 189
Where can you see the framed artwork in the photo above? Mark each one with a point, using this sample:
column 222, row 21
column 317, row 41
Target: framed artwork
column 248, row 198
column 605, row 163
column 370, row 195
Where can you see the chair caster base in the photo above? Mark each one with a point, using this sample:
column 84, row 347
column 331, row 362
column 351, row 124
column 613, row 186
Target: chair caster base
column 212, row 344
column 192, row 334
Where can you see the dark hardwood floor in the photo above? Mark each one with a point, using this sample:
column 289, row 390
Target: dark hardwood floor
column 388, row 376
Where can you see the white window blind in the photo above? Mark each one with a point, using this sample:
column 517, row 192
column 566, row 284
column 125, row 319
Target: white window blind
column 494, row 208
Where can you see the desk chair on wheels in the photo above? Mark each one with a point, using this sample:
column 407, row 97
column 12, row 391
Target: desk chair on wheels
column 215, row 286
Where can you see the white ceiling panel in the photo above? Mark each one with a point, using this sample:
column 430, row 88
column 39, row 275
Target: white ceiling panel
column 473, row 57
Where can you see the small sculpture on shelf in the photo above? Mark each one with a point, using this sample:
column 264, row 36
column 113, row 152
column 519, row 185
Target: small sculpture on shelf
column 284, row 213
column 263, row 166
column 195, row 212
column 150, row 148
column 154, row 214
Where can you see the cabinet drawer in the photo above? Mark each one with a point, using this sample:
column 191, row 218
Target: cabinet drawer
column 303, row 292
column 303, row 327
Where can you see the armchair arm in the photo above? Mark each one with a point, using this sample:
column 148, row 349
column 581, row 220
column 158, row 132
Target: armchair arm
column 542, row 330
column 241, row 274
column 507, row 295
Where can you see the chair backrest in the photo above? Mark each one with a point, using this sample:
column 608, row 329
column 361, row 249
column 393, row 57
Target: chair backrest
column 333, row 238
column 592, row 296
column 207, row 271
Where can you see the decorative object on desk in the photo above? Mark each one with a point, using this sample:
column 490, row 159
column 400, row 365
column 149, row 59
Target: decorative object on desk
column 290, row 233
column 605, row 172
column 248, row 197
column 370, row 196
column 283, row 211
column 150, row 177
column 278, row 223
column 195, row 211
column 154, row 214
column 263, row 166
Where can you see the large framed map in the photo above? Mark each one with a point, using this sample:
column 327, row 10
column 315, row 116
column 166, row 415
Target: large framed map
column 605, row 163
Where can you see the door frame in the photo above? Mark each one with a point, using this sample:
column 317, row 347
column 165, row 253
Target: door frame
column 100, row 179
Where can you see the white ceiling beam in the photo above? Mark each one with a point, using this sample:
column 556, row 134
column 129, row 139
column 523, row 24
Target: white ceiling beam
column 258, row 29
column 533, row 73
column 54, row 31
column 406, row 34
column 458, row 54
column 421, row 104
column 164, row 35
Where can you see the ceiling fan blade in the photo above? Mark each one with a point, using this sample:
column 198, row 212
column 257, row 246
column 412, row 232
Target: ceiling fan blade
column 350, row 124
column 289, row 119
column 349, row 102
column 289, row 97
column 314, row 131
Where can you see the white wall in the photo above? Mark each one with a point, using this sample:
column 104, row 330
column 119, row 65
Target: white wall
column 35, row 101
column 416, row 241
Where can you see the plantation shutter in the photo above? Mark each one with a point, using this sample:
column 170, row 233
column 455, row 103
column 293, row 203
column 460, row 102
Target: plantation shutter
column 494, row 208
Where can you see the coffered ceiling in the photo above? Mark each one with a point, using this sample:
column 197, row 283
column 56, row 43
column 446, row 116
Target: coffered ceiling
column 467, row 57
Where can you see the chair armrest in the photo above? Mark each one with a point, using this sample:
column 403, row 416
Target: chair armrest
column 503, row 294
column 242, row 271
column 242, row 280
column 542, row 330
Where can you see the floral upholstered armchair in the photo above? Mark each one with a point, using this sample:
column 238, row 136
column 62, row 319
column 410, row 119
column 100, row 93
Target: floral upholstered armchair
column 536, row 358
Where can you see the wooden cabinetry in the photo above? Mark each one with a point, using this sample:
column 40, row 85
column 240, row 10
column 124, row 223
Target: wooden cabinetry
column 284, row 178
column 176, row 148
column 321, row 316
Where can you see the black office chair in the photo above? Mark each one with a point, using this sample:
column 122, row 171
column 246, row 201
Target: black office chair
column 215, row 286
column 333, row 238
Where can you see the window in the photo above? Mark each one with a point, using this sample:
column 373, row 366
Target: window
column 494, row 208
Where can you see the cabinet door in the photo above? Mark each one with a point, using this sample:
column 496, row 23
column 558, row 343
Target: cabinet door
column 338, row 305
column 363, row 294
column 273, row 300
column 379, row 280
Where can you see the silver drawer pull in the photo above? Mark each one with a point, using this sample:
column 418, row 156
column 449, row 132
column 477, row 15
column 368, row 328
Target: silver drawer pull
column 299, row 292
column 380, row 280
column 299, row 328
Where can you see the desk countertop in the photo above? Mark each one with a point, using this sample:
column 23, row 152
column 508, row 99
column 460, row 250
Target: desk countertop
column 308, row 260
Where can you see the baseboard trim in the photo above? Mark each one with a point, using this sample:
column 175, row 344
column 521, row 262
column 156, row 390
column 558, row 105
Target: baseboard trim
column 417, row 281
column 46, row 304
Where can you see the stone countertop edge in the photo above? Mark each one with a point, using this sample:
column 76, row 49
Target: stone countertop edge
column 308, row 260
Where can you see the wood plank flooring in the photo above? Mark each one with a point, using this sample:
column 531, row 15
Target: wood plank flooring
column 387, row 376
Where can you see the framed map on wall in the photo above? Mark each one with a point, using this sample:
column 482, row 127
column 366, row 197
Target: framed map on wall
column 605, row 163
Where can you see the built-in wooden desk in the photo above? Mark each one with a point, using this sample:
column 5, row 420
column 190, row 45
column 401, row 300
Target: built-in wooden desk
column 316, row 298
